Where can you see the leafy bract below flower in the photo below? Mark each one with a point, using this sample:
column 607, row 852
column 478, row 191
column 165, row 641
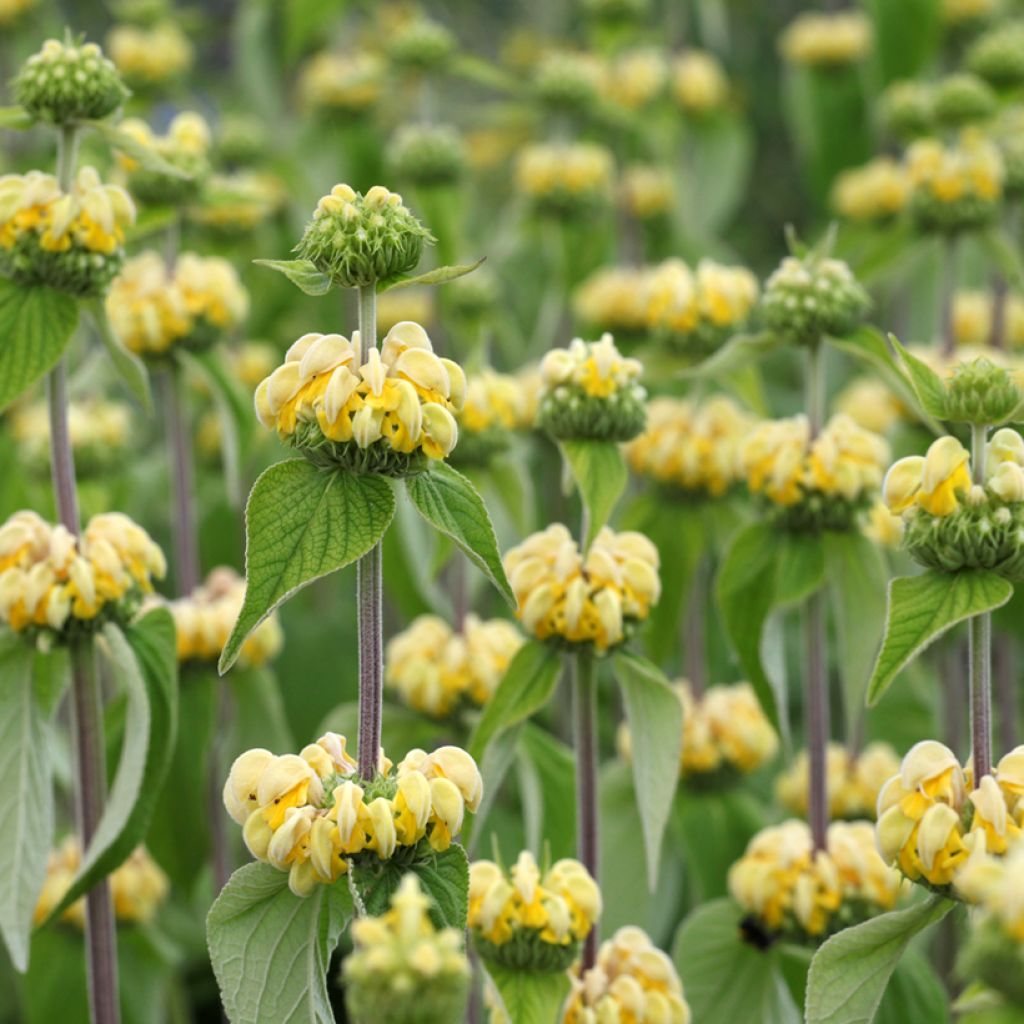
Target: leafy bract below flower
column 527, row 920
column 99, row 432
column 955, row 188
column 632, row 980
column 65, row 82
column 386, row 415
column 693, row 312
column 310, row 814
column 699, row 82
column 690, row 447
column 952, row 524
column 185, row 145
column 827, row 40
column 792, row 892
column 590, row 391
column 204, row 620
column 495, row 407
column 56, row 586
column 819, row 484
column 70, row 241
column 150, row 56
column 348, row 83
column 565, row 179
column 438, row 670
column 138, row 887
column 596, row 600
column 153, row 310
column 974, row 316
column 403, row 969
column 852, row 782
column 930, row 819
column 725, row 734
column 873, row 193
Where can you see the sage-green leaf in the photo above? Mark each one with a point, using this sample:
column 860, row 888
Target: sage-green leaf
column 921, row 608
column 547, row 771
column 36, row 324
column 655, row 718
column 26, row 799
column 271, row 949
column 530, row 997
column 302, row 523
column 1004, row 253
column 439, row 275
column 16, row 118
column 799, row 569
column 449, row 502
column 128, row 366
column 144, row 155
column 927, row 384
column 301, row 273
column 849, row 973
column 527, row 685
column 740, row 350
column 443, row 876
column 725, row 980
column 143, row 659
column 600, row 473
column 915, row 992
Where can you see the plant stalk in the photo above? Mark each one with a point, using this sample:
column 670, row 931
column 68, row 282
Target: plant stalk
column 179, row 453
column 369, row 599
column 980, row 647
column 695, row 631
column 583, row 671
column 949, row 262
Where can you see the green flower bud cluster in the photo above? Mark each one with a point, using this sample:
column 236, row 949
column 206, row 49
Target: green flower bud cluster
column 983, row 533
column 998, row 55
column 908, row 109
column 567, row 82
column 427, row 154
column 812, row 296
column 241, row 140
column 474, row 295
column 63, row 83
column 981, row 392
column 379, row 459
column 990, row 957
column 358, row 240
column 817, row 511
column 75, row 271
column 422, row 45
column 962, row 99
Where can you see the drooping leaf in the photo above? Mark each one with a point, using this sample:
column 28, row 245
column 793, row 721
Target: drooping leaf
column 922, row 608
column 439, row 275
column 301, row 273
column 144, row 155
column 927, row 384
column 36, row 324
column 600, row 473
column 271, row 949
column 530, row 997
column 26, row 799
column 800, row 568
column 906, row 38
column 302, row 523
column 129, row 367
column 447, row 500
column 525, row 688
column 726, row 980
column 655, row 718
column 547, row 786
column 849, row 973
column 143, row 659
column 915, row 992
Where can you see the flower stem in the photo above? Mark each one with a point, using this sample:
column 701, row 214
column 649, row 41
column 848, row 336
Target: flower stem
column 949, row 260
column 980, row 646
column 584, row 686
column 817, row 717
column 695, row 631
column 814, row 386
column 369, row 599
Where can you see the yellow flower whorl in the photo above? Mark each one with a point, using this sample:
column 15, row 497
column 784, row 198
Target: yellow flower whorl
column 565, row 178
column 150, row 56
column 99, row 432
column 834, row 39
column 699, row 82
column 874, row 192
column 350, row 83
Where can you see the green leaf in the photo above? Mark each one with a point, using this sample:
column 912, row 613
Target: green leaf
column 129, row 367
column 800, row 568
column 1005, row 255
column 271, row 949
column 547, row 770
column 655, row 718
column 144, row 155
column 302, row 523
column 530, row 997
column 857, row 578
column 725, row 980
column 927, row 384
column 601, row 475
column 26, row 799
column 915, row 992
column 301, row 273
column 36, row 324
column 484, row 72
column 739, row 351
column 849, row 973
column 443, row 876
column 16, row 118
column 906, row 37
column 449, row 502
column 143, row 659
column 439, row 275
column 922, row 608
column 525, row 688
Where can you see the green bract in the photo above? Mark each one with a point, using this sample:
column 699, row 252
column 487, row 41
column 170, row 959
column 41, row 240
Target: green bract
column 427, row 154
column 568, row 413
column 986, row 536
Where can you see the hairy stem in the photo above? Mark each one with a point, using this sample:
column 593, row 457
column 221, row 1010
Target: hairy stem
column 369, row 599
column 588, row 836
column 695, row 631
column 980, row 646
column 179, row 453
